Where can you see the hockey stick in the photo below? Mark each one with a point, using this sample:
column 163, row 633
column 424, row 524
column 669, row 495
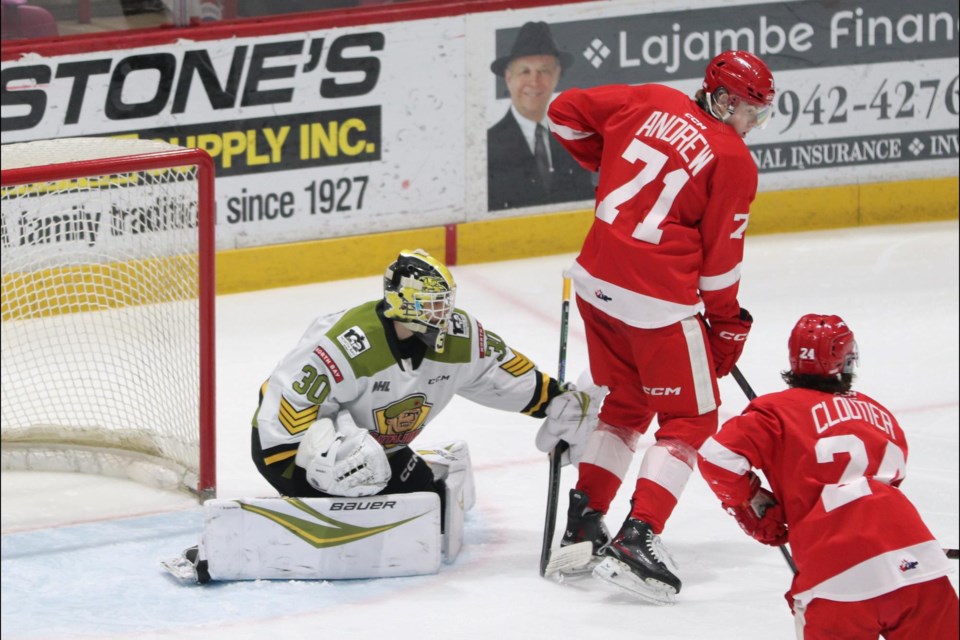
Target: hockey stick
column 953, row 554
column 751, row 395
column 553, row 485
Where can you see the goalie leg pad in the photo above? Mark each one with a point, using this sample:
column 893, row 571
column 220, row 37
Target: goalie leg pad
column 322, row 538
column 451, row 458
column 455, row 502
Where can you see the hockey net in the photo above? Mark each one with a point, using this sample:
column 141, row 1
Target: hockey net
column 108, row 310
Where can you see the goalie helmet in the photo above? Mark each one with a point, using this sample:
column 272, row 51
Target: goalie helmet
column 822, row 346
column 745, row 78
column 419, row 292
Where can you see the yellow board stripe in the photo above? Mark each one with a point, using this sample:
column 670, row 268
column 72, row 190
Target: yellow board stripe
column 509, row 238
column 94, row 287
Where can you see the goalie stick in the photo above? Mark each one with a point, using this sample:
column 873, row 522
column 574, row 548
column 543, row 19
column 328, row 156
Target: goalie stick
column 553, row 485
column 751, row 396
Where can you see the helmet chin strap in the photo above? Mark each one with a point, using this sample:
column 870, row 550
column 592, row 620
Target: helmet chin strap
column 712, row 103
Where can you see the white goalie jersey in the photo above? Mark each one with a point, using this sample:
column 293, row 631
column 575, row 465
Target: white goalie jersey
column 351, row 363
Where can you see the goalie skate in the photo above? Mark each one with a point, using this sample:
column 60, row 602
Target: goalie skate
column 618, row 574
column 181, row 569
column 188, row 567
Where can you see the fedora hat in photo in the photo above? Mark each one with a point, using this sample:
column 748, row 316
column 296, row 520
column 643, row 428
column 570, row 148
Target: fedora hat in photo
column 534, row 39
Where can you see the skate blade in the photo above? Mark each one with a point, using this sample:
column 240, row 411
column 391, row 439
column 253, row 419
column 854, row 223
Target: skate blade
column 181, row 569
column 617, row 574
column 574, row 558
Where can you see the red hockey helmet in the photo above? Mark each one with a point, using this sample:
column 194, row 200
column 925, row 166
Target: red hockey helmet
column 822, row 346
column 743, row 75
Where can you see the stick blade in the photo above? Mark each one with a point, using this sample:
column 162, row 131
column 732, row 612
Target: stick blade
column 573, row 557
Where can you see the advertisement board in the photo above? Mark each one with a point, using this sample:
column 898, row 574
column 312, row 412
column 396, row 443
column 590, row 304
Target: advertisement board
column 339, row 131
column 314, row 135
column 866, row 92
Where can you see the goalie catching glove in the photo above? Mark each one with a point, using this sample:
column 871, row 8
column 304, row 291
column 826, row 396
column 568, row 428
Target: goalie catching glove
column 571, row 417
column 343, row 459
column 759, row 514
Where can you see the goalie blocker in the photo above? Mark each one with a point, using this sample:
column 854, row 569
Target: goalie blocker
column 334, row 538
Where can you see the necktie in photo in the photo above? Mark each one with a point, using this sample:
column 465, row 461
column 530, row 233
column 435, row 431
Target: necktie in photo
column 540, row 155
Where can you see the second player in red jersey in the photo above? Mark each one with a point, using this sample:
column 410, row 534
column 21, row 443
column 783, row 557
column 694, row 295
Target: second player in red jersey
column 867, row 565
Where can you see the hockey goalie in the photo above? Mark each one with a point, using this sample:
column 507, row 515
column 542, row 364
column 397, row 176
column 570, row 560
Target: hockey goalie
column 334, row 429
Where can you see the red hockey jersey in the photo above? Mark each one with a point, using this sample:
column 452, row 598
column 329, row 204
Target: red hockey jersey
column 834, row 462
column 673, row 203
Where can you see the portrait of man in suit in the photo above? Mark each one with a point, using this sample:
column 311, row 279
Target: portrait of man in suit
column 525, row 165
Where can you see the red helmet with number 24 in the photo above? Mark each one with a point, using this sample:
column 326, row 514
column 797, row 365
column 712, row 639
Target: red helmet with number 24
column 822, row 346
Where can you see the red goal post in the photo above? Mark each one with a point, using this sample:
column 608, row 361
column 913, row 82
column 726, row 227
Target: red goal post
column 108, row 347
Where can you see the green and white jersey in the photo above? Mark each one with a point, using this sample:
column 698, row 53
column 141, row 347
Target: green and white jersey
column 351, row 361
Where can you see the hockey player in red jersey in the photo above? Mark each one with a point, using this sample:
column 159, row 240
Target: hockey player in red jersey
column 673, row 201
column 866, row 563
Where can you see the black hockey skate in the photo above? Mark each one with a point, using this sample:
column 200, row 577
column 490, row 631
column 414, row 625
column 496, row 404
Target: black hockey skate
column 584, row 524
column 637, row 563
column 584, row 538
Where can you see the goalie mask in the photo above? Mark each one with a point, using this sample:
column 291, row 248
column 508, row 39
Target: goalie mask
column 419, row 292
column 748, row 82
column 822, row 346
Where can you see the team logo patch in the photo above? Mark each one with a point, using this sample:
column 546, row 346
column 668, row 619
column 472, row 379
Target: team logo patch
column 400, row 422
column 354, row 341
column 458, row 325
column 327, row 360
column 601, row 295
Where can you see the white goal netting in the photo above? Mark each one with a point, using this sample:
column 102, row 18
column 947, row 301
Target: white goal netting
column 107, row 310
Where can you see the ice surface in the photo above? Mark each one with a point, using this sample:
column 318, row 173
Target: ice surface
column 80, row 554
